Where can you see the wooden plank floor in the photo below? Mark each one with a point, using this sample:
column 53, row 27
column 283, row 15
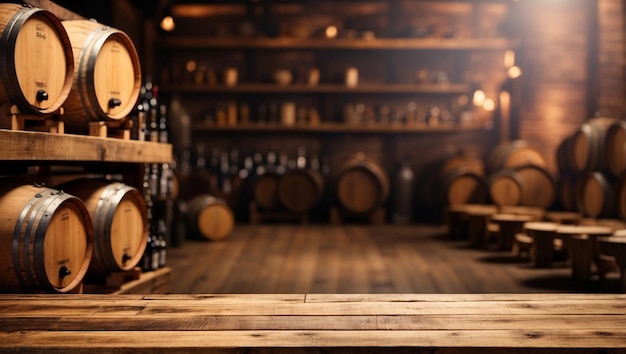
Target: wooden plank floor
column 314, row 323
column 359, row 259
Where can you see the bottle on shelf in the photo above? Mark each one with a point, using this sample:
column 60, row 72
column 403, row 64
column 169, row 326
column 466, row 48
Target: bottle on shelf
column 161, row 231
column 403, row 196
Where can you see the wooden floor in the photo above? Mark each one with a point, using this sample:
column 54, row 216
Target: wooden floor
column 359, row 259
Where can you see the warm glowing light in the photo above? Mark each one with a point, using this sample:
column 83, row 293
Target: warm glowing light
column 331, row 32
column 190, row 66
column 509, row 58
column 514, row 72
column 167, row 23
column 489, row 105
column 479, row 98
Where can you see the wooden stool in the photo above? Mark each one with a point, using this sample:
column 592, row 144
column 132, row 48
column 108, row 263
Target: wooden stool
column 615, row 247
column 523, row 245
column 582, row 245
column 542, row 234
column 564, row 217
column 509, row 225
column 478, row 219
column 456, row 219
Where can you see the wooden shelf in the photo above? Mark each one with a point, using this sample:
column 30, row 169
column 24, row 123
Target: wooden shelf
column 337, row 128
column 324, row 88
column 182, row 42
column 37, row 146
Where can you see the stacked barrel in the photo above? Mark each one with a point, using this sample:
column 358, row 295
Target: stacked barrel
column 62, row 70
column 74, row 72
column 518, row 176
column 592, row 165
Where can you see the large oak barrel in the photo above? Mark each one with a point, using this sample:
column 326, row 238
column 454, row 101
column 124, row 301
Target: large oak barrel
column 299, row 190
column 586, row 148
column 265, row 190
column 615, row 146
column 505, row 188
column 107, row 75
column 512, row 154
column 119, row 217
column 620, row 193
column 36, row 65
column 461, row 186
column 538, row 186
column 362, row 185
column 209, row 217
column 595, row 195
column 46, row 239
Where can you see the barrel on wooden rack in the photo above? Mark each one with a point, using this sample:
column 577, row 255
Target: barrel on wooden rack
column 586, row 149
column 505, row 188
column 299, row 190
column 538, row 186
column 615, row 146
column 362, row 185
column 120, row 223
column 37, row 64
column 512, row 154
column 46, row 239
column 265, row 190
column 595, row 195
column 107, row 75
column 209, row 217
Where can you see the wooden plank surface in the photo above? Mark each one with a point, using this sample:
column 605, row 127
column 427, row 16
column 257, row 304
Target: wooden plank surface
column 37, row 146
column 216, row 322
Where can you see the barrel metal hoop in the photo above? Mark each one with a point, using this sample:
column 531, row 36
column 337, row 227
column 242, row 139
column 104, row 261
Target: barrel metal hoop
column 17, row 236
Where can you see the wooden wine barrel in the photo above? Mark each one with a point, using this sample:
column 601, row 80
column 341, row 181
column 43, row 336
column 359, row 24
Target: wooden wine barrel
column 460, row 186
column 505, row 188
column 265, row 190
column 620, row 194
column 36, row 65
column 512, row 154
column 46, row 239
column 586, row 147
column 538, row 186
column 567, row 192
column 615, row 148
column 362, row 185
column 119, row 217
column 210, row 217
column 107, row 75
column 299, row 190
column 595, row 195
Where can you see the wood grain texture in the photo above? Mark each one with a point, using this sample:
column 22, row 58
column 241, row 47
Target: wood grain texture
column 35, row 146
column 359, row 259
column 312, row 322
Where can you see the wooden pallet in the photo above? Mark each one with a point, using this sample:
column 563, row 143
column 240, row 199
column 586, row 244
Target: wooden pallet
column 13, row 119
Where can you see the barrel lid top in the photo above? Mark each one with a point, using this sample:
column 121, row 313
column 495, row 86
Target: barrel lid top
column 541, row 226
column 511, row 217
column 584, row 229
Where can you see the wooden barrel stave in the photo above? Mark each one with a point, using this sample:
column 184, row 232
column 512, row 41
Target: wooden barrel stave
column 512, row 154
column 538, row 186
column 595, row 195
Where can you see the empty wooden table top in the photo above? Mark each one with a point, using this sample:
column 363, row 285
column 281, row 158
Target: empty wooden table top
column 310, row 323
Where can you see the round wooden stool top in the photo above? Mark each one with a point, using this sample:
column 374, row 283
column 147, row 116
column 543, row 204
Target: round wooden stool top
column 564, row 217
column 537, row 213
